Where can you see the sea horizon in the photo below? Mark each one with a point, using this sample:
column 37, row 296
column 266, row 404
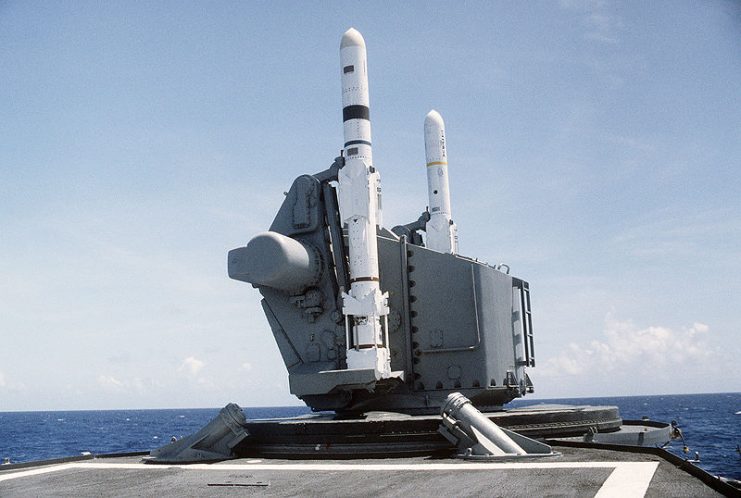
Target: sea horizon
column 522, row 399
column 709, row 421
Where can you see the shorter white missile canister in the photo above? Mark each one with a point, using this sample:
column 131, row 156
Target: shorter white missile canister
column 442, row 234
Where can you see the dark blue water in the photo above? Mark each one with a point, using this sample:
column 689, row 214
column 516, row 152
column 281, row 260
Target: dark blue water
column 28, row 436
column 711, row 424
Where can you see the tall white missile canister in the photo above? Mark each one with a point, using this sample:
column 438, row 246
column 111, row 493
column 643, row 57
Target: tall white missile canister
column 442, row 234
column 359, row 190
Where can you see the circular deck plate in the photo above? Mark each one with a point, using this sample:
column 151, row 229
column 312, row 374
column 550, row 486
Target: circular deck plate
column 381, row 434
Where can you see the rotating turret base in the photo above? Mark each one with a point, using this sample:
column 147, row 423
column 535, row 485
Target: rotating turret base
column 386, row 434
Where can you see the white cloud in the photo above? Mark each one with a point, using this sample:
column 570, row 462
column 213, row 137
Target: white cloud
column 699, row 328
column 192, row 366
column 699, row 237
column 9, row 385
column 565, row 363
column 627, row 348
column 135, row 386
column 111, row 383
column 600, row 24
column 630, row 142
column 247, row 366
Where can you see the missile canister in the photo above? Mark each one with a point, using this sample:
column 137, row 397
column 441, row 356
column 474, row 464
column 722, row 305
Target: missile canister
column 359, row 189
column 442, row 234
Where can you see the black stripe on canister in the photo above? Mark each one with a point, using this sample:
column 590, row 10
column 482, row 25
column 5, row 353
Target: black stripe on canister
column 365, row 279
column 355, row 112
column 358, row 142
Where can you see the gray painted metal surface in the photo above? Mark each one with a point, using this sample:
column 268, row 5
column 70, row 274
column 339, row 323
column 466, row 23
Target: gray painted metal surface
column 477, row 437
column 215, row 441
column 456, row 324
column 374, row 434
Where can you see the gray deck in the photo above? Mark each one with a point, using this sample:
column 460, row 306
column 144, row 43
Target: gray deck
column 577, row 472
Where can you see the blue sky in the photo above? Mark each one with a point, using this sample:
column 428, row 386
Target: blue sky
column 594, row 146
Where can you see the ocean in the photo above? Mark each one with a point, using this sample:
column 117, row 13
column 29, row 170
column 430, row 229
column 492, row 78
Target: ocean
column 711, row 424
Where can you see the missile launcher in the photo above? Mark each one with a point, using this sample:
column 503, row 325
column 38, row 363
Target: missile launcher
column 368, row 318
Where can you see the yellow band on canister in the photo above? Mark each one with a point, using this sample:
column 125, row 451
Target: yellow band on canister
column 438, row 163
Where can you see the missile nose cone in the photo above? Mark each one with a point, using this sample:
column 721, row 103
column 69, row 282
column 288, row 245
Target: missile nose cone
column 352, row 37
column 434, row 118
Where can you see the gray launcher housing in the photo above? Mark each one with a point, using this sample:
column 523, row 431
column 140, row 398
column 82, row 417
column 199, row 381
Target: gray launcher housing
column 456, row 324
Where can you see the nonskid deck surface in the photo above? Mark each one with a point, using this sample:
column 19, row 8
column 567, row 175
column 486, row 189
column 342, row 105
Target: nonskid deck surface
column 576, row 472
